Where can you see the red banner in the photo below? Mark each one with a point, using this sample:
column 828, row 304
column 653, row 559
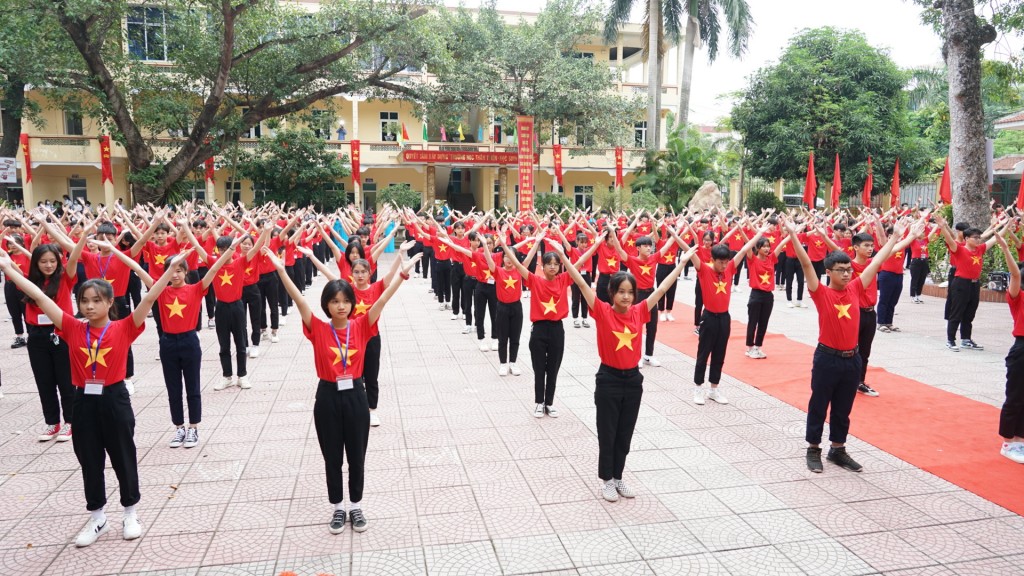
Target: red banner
column 524, row 127
column 461, row 157
column 945, row 189
column 618, row 166
column 27, row 158
column 810, row 184
column 557, row 151
column 869, row 185
column 209, row 169
column 106, row 170
column 355, row 163
column 895, row 190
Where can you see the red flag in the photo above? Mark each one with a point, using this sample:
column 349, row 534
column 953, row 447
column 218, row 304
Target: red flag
column 209, row 169
column 106, row 171
column 1020, row 194
column 811, row 184
column 444, row 135
column 895, row 194
column 355, row 163
column 869, row 184
column 618, row 166
column 837, row 185
column 27, row 158
column 405, row 133
column 945, row 188
column 556, row 150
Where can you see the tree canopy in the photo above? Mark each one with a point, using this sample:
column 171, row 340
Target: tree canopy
column 295, row 166
column 831, row 92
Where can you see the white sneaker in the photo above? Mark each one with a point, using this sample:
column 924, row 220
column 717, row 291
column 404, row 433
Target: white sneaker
column 661, row 317
column 130, row 386
column 225, row 382
column 789, row 304
column 132, row 528
column 179, row 438
column 716, row 395
column 759, row 354
column 467, row 329
column 1014, row 451
column 254, row 351
column 670, row 317
column 455, row 317
column 552, row 411
column 800, row 304
column 609, row 492
column 243, row 382
column 652, row 361
column 494, row 344
column 92, row 531
column 274, row 339
column 698, row 396
column 441, row 307
column 575, row 323
column 157, row 356
column 624, row 490
column 210, row 323
column 514, row 369
column 484, row 346
column 374, row 419
column 538, row 412
column 737, row 289
column 749, row 353
column 503, row 370
column 282, row 321
column 585, row 323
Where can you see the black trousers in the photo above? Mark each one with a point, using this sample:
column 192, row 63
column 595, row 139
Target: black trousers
column 736, row 277
column 652, row 324
column 371, row 371
column 428, row 257
column 51, row 368
column 890, row 286
column 577, row 297
column 865, row 338
column 698, row 303
column 193, row 278
column 669, row 299
column 950, row 274
column 105, row 425
column 547, row 346
column 468, row 290
column 252, row 300
column 283, row 299
column 458, row 276
column 617, row 396
column 963, row 305
column 1011, row 417
column 833, row 383
column 509, row 327
column 15, row 307
column 443, row 280
column 486, row 299
column 181, row 357
column 307, row 270
column 601, row 291
column 134, row 293
column 342, row 422
column 793, row 269
column 819, row 268
column 269, row 284
column 123, row 311
column 759, row 311
column 210, row 298
column 780, row 269
column 918, row 273
column 231, row 326
column 713, row 339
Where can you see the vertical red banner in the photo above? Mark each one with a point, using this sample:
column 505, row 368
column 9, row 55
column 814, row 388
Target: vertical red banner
column 557, row 151
column 618, row 166
column 524, row 126
column 106, row 171
column 355, row 163
column 209, row 169
column 27, row 158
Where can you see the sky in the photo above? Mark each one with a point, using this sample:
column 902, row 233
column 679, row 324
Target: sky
column 894, row 25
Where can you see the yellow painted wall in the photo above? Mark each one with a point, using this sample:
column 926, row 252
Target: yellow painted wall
column 51, row 183
column 369, row 120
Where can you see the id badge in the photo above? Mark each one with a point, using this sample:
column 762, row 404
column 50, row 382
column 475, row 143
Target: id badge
column 490, row 280
column 94, row 387
column 44, row 320
column 344, row 383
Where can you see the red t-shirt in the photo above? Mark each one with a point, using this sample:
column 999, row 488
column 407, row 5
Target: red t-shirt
column 108, row 355
column 34, row 315
column 894, row 263
column 790, row 250
column 670, row 255
column 251, row 269
column 716, row 288
column 817, row 249
column 607, row 259
column 968, row 264
column 735, row 241
column 919, row 248
column 109, row 268
column 441, row 250
column 22, row 262
column 508, row 285
column 483, row 274
column 179, row 307
column 644, row 271
column 575, row 254
column 1017, row 311
column 276, row 246
column 365, row 299
column 618, row 335
column 762, row 272
column 156, row 256
column 228, row 283
column 838, row 314
column 548, row 299
column 328, row 350
column 869, row 297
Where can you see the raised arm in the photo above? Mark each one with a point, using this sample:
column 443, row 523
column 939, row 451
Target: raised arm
column 871, row 271
column 805, row 261
column 664, row 285
column 130, row 262
column 53, row 311
column 140, row 313
column 300, row 301
column 1013, row 289
column 585, row 289
column 523, row 271
column 373, row 314
column 750, row 244
column 327, row 272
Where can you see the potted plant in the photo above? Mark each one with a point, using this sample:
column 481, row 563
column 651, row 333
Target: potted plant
column 391, row 133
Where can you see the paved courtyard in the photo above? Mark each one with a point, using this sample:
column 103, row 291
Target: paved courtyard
column 461, row 479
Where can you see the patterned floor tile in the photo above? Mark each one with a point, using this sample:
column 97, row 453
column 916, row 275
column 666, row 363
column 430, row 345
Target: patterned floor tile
column 468, row 559
column 824, row 558
column 693, row 565
column 166, row 552
column 760, row 561
column 623, row 569
column 662, row 540
column 780, row 526
column 597, row 547
column 725, row 533
column 886, row 552
column 532, row 554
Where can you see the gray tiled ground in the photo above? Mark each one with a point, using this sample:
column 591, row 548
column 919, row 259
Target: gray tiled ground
column 461, row 479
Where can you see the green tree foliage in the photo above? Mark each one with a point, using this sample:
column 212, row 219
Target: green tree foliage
column 675, row 173
column 830, row 92
column 759, row 200
column 294, row 166
column 555, row 202
column 401, row 195
column 644, row 200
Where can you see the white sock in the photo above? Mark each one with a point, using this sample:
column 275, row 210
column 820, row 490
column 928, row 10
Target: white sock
column 129, row 511
column 339, row 506
column 357, row 506
column 98, row 515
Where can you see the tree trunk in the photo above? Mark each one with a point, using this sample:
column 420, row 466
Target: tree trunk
column 964, row 37
column 653, row 73
column 11, row 108
column 685, row 82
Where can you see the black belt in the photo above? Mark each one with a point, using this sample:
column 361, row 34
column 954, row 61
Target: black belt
column 867, row 310
column 627, row 373
column 710, row 313
column 839, row 353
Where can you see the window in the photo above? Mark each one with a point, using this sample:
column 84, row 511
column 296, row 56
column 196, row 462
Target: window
column 337, row 189
column 78, row 188
column 499, row 135
column 640, row 134
column 369, row 196
column 147, row 33
column 233, row 191
column 73, row 123
column 589, row 55
column 255, row 131
column 388, row 133
column 583, row 196
column 197, row 189
column 320, row 123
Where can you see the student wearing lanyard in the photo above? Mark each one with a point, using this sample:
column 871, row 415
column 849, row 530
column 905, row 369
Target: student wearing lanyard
column 1011, row 416
column 104, row 420
column 643, row 268
column 964, row 288
column 341, row 414
column 618, row 388
column 230, row 312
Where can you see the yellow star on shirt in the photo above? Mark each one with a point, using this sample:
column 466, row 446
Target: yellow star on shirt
column 771, row 240
column 361, row 307
column 844, row 311
column 487, row 275
column 737, row 237
column 612, row 262
column 225, row 278
column 248, row 271
column 94, row 355
column 625, row 338
column 349, row 352
column 975, row 260
column 160, row 258
column 510, row 283
column 630, row 242
column 529, row 246
column 765, row 278
column 443, row 248
column 670, row 258
column 550, row 305
column 473, row 265
column 898, row 255
column 645, row 270
column 176, row 308
column 818, row 243
column 110, row 280
column 720, row 287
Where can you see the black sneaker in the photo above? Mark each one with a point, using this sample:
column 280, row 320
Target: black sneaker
column 19, row 342
column 865, row 389
column 842, row 458
column 358, row 520
column 337, row 522
column 814, row 460
column 965, row 344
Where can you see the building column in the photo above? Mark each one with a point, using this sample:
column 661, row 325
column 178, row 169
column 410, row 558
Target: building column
column 778, row 188
column 618, row 59
column 734, row 194
column 430, row 185
column 503, row 186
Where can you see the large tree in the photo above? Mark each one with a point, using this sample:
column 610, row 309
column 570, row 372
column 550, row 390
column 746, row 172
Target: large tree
column 234, row 63
column 295, row 166
column 655, row 28
column 831, row 92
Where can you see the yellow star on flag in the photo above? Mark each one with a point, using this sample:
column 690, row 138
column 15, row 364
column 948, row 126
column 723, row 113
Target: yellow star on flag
column 765, row 278
column 625, row 338
column 844, row 311
column 720, row 287
column 349, row 352
column 94, row 355
column 361, row 307
column 612, row 262
column 550, row 305
column 510, row 283
column 176, row 308
column 225, row 278
column 160, row 258
column 645, row 270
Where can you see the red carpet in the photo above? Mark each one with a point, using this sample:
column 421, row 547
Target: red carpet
column 950, row 436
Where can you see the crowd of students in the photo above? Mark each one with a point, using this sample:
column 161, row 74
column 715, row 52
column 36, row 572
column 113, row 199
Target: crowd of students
column 260, row 261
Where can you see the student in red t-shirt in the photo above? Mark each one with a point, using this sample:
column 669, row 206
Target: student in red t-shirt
column 835, row 372
column 642, row 266
column 12, row 296
column 230, row 312
column 341, row 413
column 463, row 254
column 104, row 420
column 508, row 319
column 965, row 287
column 618, row 387
column 761, row 272
column 919, row 265
column 1011, row 416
